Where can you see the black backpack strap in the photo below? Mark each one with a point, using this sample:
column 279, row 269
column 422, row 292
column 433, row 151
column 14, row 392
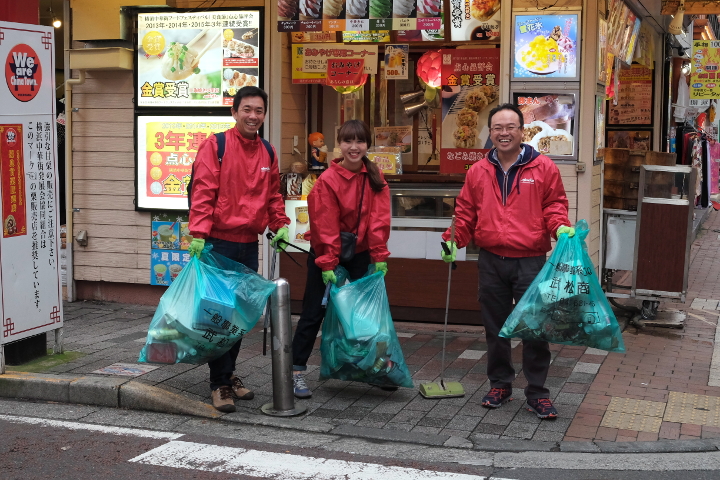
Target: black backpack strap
column 220, row 137
column 269, row 149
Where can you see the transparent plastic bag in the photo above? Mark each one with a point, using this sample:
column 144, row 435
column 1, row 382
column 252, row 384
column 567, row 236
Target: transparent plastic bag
column 565, row 303
column 205, row 311
column 359, row 342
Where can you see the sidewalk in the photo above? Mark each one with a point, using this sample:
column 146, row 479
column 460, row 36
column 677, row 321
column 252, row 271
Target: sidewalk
column 665, row 387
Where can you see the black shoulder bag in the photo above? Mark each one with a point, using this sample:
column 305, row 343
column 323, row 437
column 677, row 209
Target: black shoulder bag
column 348, row 240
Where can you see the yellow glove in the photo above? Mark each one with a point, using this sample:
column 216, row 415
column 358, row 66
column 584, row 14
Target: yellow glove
column 329, row 276
column 196, row 247
column 381, row 267
column 563, row 229
column 282, row 234
column 449, row 257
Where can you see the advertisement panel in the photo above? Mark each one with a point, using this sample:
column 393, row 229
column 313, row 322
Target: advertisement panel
column 470, row 80
column 29, row 247
column 170, row 239
column 477, row 20
column 549, row 122
column 197, row 59
column 704, row 70
column 166, row 150
column 546, row 47
column 634, row 97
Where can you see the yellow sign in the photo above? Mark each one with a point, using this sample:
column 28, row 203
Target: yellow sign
column 298, row 60
column 705, row 70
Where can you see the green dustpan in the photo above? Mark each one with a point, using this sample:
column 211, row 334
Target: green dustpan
column 436, row 390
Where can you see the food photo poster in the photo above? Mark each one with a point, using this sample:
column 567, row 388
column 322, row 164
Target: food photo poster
column 549, row 122
column 546, row 47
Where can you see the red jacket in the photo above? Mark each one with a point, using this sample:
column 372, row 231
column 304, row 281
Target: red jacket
column 535, row 207
column 333, row 204
column 237, row 200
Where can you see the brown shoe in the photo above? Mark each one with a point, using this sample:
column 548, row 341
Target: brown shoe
column 240, row 391
column 222, row 399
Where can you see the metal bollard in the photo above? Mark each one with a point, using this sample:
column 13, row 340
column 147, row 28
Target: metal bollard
column 283, row 404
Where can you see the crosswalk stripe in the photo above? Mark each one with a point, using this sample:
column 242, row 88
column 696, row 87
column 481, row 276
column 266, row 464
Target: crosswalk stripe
column 280, row 466
column 131, row 432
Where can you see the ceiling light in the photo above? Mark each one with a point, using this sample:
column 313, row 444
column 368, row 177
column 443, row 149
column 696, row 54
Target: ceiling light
column 676, row 25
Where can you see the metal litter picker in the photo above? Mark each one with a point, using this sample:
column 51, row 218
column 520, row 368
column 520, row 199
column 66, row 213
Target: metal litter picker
column 443, row 389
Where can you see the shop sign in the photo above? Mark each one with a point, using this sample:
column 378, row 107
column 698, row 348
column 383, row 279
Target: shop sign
column 470, row 80
column 197, row 59
column 705, row 70
column 170, row 239
column 315, row 57
column 372, row 36
column 298, row 61
column 166, row 149
column 550, row 126
column 396, row 62
column 29, row 244
column 344, row 73
column 546, row 47
column 360, row 15
column 634, row 97
column 476, row 20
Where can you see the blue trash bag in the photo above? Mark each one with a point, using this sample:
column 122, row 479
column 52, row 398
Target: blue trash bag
column 565, row 303
column 359, row 342
column 205, row 311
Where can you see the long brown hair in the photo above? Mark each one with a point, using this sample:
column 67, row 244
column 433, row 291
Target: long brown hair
column 355, row 129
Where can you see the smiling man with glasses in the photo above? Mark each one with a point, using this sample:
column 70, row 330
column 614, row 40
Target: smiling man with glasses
column 510, row 205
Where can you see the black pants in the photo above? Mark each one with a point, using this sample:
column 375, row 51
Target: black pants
column 223, row 367
column 312, row 312
column 502, row 279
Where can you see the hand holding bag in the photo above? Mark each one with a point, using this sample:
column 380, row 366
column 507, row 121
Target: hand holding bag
column 348, row 240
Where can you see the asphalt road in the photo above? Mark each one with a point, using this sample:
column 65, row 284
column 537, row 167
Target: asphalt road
column 74, row 442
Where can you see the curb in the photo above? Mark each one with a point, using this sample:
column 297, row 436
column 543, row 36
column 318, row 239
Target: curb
column 124, row 393
column 101, row 391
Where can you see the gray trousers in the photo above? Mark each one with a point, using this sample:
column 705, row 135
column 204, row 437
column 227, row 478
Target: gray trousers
column 502, row 279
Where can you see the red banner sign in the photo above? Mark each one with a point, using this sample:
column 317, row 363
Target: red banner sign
column 13, row 181
column 344, row 72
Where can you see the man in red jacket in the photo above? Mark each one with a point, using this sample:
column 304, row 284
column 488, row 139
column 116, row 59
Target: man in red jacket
column 511, row 203
column 233, row 201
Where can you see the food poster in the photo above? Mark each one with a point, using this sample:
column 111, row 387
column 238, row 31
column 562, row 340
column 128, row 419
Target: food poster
column 477, row 20
column 599, row 126
column 469, row 91
column 297, row 212
column 170, row 240
column 549, row 122
column 632, row 139
column 397, row 58
column 546, row 46
column 166, row 149
column 196, row 59
column 420, row 21
column 704, row 73
column 398, row 136
column 389, row 163
column 601, row 50
column 634, row 97
column 30, row 244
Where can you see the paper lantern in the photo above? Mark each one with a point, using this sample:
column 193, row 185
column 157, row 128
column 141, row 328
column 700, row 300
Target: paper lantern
column 352, row 88
column 429, row 68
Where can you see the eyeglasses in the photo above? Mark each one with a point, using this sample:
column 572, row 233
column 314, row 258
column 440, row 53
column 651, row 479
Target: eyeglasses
column 508, row 129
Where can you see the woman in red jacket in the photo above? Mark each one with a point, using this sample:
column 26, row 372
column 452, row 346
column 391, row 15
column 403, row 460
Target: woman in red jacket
column 352, row 189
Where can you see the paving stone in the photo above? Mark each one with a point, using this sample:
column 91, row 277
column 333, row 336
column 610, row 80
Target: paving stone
column 564, row 361
column 583, row 367
column 463, row 422
column 569, row 398
column 579, row 377
column 498, row 417
column 520, row 430
column 472, row 354
column 407, row 416
column 548, row 436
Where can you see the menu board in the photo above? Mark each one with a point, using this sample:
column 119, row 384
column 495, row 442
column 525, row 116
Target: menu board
column 549, row 122
column 546, row 47
column 166, row 150
column 634, row 97
column 196, row 59
column 470, row 90
column 358, row 15
column 477, row 20
column 170, row 239
column 704, row 73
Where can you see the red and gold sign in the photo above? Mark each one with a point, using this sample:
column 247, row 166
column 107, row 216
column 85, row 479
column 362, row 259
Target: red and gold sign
column 13, row 181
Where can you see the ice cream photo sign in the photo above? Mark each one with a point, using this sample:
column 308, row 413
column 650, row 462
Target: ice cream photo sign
column 546, row 47
column 196, row 59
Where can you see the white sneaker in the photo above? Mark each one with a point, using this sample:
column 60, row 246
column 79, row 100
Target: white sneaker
column 300, row 388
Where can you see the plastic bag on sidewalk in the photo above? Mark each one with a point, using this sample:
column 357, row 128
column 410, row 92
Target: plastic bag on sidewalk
column 565, row 303
column 205, row 311
column 359, row 342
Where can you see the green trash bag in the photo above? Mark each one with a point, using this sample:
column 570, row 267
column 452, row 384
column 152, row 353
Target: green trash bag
column 565, row 303
column 211, row 304
column 359, row 342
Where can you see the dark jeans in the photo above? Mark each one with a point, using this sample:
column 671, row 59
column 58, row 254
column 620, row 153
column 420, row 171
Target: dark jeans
column 312, row 312
column 502, row 279
column 223, row 367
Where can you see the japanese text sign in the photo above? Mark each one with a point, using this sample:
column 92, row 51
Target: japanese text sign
column 316, row 56
column 343, row 73
column 704, row 72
